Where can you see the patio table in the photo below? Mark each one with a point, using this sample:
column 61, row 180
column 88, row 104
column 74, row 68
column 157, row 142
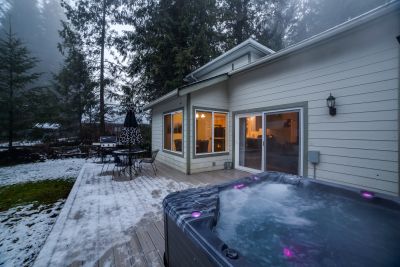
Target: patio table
column 132, row 161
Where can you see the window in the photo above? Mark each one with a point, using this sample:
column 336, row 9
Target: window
column 211, row 134
column 173, row 133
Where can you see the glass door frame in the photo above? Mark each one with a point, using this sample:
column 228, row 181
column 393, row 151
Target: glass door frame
column 237, row 141
column 264, row 148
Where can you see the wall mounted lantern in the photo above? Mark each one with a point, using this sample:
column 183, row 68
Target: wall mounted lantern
column 330, row 102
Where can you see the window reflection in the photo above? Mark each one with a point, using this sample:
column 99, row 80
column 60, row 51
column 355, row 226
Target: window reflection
column 282, row 136
column 250, row 142
column 167, row 131
column 203, row 132
column 219, row 132
column 173, row 133
column 211, row 134
column 177, row 134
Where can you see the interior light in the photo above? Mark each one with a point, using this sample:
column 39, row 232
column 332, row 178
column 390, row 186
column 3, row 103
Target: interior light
column 197, row 115
column 202, row 116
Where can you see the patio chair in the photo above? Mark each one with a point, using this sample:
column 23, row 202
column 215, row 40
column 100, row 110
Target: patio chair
column 150, row 161
column 119, row 165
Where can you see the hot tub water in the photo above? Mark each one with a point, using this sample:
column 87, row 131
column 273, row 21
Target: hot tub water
column 277, row 224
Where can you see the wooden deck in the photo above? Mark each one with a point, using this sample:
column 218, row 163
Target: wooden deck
column 145, row 243
column 146, row 247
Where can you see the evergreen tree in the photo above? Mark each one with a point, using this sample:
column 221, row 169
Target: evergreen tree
column 73, row 83
column 38, row 27
column 93, row 19
column 237, row 21
column 170, row 39
column 16, row 74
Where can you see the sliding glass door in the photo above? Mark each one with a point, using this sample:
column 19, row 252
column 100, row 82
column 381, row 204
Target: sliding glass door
column 250, row 142
column 269, row 141
column 282, row 142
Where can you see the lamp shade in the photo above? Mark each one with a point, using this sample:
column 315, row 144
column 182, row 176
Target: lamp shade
column 330, row 101
column 130, row 120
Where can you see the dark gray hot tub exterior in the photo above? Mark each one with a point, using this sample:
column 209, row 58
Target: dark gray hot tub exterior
column 191, row 241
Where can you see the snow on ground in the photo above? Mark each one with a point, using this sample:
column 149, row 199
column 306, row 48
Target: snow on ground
column 50, row 169
column 100, row 213
column 23, row 231
column 23, row 143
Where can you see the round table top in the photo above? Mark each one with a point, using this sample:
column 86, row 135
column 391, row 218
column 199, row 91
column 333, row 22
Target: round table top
column 127, row 152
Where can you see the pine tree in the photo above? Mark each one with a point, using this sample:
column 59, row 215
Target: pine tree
column 93, row 19
column 170, row 39
column 16, row 74
column 73, row 82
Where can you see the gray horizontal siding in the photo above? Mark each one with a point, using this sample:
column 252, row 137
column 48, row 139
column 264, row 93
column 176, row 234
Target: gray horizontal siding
column 359, row 146
column 214, row 97
column 176, row 161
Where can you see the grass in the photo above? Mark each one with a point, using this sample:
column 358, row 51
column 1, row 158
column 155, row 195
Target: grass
column 37, row 193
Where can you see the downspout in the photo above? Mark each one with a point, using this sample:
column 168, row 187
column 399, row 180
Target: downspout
column 398, row 121
column 188, row 141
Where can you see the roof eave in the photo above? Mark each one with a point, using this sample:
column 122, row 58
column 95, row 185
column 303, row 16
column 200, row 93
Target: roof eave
column 249, row 42
column 161, row 99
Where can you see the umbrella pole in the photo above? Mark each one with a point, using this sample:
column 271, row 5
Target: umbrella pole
column 130, row 159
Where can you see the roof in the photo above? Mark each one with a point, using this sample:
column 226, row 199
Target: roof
column 272, row 57
column 241, row 49
column 324, row 36
column 187, row 89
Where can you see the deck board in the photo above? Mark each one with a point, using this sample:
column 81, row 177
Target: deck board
column 142, row 243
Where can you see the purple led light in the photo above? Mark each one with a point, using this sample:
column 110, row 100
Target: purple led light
column 288, row 253
column 196, row 214
column 367, row 195
column 238, row 186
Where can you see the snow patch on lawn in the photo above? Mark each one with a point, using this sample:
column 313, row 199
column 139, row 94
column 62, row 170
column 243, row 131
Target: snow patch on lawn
column 100, row 214
column 23, row 231
column 50, row 169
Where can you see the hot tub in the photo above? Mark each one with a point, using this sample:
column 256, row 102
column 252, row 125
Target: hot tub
column 274, row 219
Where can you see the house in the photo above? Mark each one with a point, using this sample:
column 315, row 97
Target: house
column 263, row 110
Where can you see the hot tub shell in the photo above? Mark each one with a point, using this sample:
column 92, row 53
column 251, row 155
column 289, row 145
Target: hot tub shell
column 190, row 241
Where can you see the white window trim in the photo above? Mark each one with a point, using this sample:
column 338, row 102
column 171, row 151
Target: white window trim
column 212, row 132
column 172, row 129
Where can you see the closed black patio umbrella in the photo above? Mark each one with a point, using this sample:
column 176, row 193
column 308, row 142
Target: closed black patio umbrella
column 130, row 134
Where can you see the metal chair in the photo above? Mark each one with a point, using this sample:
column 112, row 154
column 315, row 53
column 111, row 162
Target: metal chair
column 150, row 161
column 119, row 164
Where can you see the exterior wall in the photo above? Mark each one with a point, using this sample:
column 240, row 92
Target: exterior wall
column 174, row 160
column 214, row 97
column 358, row 146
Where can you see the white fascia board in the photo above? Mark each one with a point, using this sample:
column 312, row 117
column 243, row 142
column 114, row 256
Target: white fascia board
column 202, row 84
column 161, row 99
column 230, row 55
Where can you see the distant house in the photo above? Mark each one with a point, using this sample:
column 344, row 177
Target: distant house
column 265, row 110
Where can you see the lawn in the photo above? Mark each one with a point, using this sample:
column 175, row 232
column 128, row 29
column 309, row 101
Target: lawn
column 37, row 193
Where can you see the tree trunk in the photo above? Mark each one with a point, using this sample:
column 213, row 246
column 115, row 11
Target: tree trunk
column 11, row 100
column 103, row 34
column 11, row 114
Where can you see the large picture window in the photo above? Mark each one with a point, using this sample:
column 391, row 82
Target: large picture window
column 173, row 132
column 211, row 131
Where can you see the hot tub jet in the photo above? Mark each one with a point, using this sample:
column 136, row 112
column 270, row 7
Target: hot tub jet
column 287, row 253
column 238, row 186
column 367, row 195
column 196, row 214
